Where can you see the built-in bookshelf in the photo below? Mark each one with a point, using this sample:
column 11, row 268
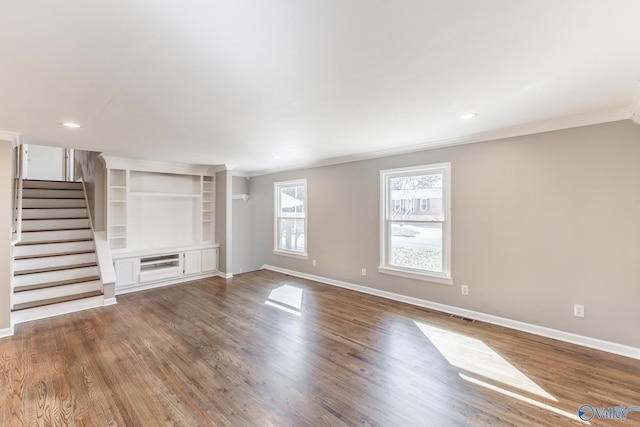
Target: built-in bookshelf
column 208, row 198
column 160, row 218
column 117, row 214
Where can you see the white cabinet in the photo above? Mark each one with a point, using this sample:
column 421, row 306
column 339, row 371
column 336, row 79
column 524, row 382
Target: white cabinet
column 192, row 262
column 209, row 260
column 126, row 271
column 144, row 270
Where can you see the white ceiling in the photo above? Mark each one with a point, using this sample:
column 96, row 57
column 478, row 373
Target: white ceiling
column 313, row 81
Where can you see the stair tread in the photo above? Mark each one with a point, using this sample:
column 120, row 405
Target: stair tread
column 51, row 269
column 55, row 219
column 23, row 257
column 51, row 242
column 55, row 229
column 56, row 300
column 55, row 284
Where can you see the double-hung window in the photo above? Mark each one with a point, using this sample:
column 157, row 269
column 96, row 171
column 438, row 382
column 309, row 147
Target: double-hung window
column 291, row 218
column 416, row 222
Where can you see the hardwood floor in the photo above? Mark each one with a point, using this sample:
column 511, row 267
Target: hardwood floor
column 265, row 349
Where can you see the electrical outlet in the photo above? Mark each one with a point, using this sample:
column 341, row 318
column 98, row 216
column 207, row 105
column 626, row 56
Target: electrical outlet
column 464, row 289
column 364, row 271
column 578, row 310
column 314, row 262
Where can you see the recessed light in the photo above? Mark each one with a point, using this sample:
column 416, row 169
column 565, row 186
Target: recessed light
column 70, row 125
column 467, row 116
column 276, row 157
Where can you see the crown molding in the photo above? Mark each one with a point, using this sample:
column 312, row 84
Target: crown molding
column 13, row 137
column 551, row 125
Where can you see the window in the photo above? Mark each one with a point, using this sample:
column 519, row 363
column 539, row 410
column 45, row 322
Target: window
column 291, row 218
column 415, row 222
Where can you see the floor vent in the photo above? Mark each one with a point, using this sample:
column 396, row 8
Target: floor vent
column 466, row 319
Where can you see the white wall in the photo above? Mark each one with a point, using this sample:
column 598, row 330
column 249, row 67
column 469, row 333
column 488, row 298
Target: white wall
column 46, row 163
column 540, row 222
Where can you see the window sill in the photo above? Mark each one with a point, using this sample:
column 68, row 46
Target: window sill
column 291, row 254
column 443, row 280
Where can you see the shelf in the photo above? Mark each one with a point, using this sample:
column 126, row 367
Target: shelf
column 123, row 187
column 117, row 237
column 141, row 194
column 118, row 201
column 118, row 225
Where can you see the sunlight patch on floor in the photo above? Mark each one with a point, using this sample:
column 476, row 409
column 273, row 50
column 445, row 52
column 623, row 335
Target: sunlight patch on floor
column 473, row 355
column 522, row 398
column 286, row 298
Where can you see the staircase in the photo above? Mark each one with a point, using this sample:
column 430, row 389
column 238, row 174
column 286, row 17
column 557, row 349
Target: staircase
column 55, row 267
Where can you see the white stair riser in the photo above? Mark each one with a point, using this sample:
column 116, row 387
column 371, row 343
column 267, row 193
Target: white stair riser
column 56, row 309
column 52, row 194
column 53, row 203
column 54, row 224
column 52, row 248
column 54, row 213
column 55, row 276
column 57, row 291
column 45, row 236
column 52, row 184
column 52, row 261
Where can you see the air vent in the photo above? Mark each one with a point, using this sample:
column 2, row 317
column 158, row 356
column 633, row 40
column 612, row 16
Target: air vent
column 466, row 319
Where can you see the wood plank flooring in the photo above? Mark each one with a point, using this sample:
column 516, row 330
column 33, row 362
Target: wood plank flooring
column 265, row 349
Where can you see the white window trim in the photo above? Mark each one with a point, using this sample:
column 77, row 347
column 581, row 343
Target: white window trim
column 444, row 278
column 276, row 211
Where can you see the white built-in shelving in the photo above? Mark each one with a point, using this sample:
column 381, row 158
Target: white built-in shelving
column 208, row 200
column 117, row 209
column 160, row 220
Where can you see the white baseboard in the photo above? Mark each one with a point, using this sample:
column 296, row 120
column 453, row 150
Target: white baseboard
column 610, row 347
column 225, row 275
column 6, row 332
column 110, row 301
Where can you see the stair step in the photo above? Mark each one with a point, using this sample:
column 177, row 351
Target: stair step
column 52, row 203
column 50, row 213
column 33, row 183
column 46, row 293
column 42, row 236
column 19, row 289
column 52, row 269
column 34, row 249
column 54, row 262
column 53, row 254
column 54, row 224
column 43, row 193
column 55, row 275
column 56, row 300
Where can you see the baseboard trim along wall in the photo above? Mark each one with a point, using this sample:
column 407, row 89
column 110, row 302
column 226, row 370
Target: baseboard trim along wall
column 610, row 347
column 225, row 275
column 6, row 332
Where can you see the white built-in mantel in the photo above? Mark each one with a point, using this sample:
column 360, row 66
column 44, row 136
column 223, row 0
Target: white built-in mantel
column 160, row 222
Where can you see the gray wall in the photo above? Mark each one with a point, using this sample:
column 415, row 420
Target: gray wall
column 539, row 223
column 6, row 217
column 92, row 170
column 244, row 251
column 223, row 220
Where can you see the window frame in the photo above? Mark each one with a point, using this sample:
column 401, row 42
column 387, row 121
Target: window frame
column 276, row 237
column 385, row 223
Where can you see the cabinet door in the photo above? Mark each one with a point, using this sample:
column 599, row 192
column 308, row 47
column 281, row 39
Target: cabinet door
column 126, row 272
column 209, row 260
column 192, row 262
